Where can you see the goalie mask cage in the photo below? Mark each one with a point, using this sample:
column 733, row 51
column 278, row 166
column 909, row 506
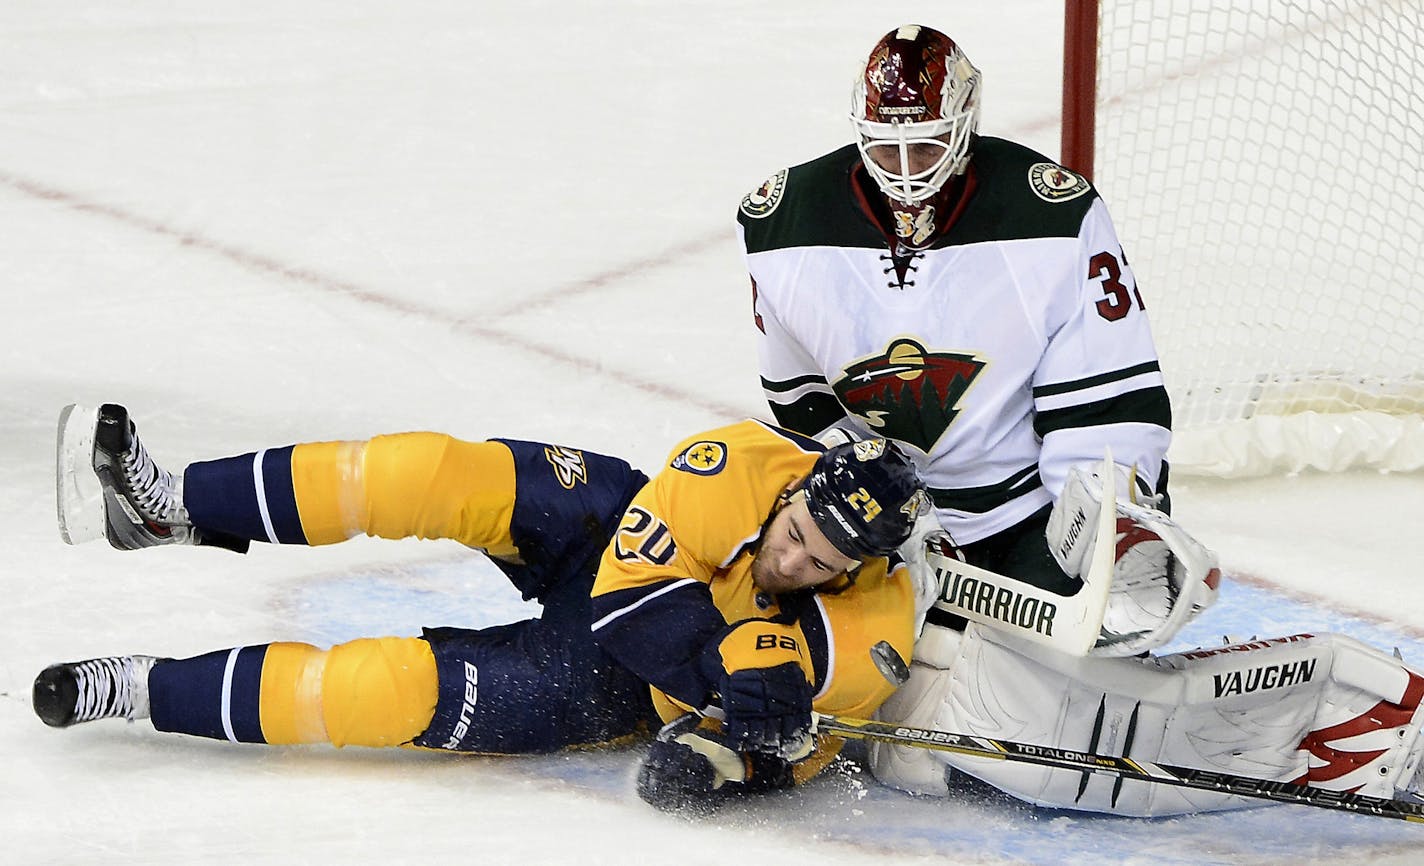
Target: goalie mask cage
column 1264, row 164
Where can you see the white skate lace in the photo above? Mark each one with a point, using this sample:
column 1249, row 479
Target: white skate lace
column 152, row 489
column 106, row 688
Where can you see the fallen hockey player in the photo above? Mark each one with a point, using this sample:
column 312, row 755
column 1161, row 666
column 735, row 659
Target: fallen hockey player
column 730, row 596
column 1319, row 710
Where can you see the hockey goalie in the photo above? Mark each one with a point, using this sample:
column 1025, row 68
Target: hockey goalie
column 1321, row 710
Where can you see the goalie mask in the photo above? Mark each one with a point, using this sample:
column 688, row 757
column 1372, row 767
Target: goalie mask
column 915, row 109
column 864, row 497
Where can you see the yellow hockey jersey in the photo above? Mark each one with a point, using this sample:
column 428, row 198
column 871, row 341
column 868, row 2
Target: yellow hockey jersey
column 678, row 571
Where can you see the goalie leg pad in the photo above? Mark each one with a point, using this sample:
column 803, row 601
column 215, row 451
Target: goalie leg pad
column 1320, row 710
column 1016, row 691
column 1323, row 710
column 917, row 702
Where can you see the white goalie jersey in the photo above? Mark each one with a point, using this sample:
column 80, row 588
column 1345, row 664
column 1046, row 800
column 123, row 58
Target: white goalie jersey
column 1012, row 348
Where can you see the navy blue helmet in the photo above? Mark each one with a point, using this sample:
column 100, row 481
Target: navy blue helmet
column 865, row 496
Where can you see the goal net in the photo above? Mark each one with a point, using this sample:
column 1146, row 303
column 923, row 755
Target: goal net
column 1264, row 164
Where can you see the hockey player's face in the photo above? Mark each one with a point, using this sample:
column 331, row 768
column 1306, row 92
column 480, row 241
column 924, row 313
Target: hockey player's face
column 795, row 555
column 919, row 157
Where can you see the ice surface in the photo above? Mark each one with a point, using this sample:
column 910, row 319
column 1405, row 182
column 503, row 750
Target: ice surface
column 264, row 222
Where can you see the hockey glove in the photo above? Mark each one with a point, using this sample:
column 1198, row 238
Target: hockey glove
column 925, row 580
column 765, row 688
column 692, row 770
column 1162, row 577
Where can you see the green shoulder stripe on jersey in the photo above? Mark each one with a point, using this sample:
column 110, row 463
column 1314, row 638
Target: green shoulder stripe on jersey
column 1020, row 194
column 792, row 384
column 1145, row 406
column 810, row 414
column 981, row 500
column 1094, row 381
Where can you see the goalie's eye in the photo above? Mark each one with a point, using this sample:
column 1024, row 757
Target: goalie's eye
column 920, row 156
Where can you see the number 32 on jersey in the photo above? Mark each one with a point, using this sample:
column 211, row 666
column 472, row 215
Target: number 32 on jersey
column 1107, row 268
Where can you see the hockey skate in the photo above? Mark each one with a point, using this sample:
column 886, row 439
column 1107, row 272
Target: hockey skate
column 115, row 687
column 107, row 485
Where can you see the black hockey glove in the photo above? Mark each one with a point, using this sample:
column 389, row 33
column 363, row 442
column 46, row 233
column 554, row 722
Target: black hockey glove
column 692, row 770
column 765, row 693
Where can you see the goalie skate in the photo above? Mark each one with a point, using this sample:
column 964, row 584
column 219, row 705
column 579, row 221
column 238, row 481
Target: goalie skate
column 106, row 485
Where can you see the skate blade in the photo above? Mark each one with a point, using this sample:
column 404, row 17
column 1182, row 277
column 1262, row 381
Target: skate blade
column 79, row 498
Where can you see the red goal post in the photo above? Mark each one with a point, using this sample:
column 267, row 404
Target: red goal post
column 1264, row 164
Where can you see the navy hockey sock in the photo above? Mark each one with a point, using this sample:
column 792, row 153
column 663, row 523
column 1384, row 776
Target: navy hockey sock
column 248, row 496
column 216, row 695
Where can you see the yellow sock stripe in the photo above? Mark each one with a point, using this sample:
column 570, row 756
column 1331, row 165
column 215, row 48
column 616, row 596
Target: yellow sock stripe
column 290, row 696
column 326, row 479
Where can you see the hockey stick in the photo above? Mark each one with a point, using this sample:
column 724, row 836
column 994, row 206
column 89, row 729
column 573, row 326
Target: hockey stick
column 1069, row 624
column 1126, row 768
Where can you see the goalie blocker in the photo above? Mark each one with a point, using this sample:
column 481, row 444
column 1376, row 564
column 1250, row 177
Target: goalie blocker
column 1143, row 577
column 1324, row 711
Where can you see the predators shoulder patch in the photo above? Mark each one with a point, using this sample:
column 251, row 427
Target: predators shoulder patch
column 702, row 458
column 761, row 201
column 1055, row 183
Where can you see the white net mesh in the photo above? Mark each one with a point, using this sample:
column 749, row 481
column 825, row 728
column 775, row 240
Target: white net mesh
column 1264, row 162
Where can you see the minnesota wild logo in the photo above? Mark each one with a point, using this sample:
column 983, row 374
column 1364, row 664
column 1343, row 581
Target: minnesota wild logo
column 908, row 393
column 761, row 201
column 1055, row 183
